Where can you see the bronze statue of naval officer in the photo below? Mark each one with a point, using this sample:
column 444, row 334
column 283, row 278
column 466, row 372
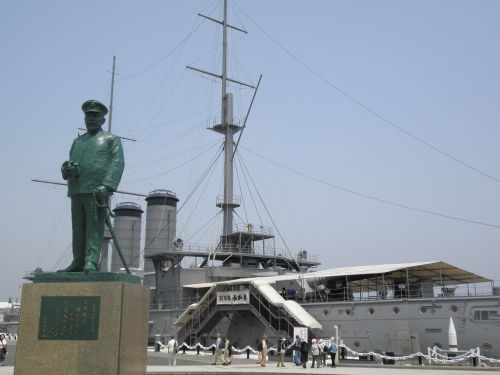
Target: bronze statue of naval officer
column 93, row 172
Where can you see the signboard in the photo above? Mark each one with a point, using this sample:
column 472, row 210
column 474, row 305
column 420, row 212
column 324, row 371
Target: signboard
column 69, row 318
column 238, row 297
column 301, row 331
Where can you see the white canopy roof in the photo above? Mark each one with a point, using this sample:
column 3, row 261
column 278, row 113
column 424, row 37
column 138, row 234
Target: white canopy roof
column 186, row 314
column 301, row 315
column 438, row 271
column 271, row 294
column 293, row 308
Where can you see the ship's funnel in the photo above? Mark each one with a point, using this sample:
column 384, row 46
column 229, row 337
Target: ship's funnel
column 128, row 233
column 452, row 337
column 161, row 219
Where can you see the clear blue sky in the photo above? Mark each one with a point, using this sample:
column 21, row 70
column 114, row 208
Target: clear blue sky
column 431, row 68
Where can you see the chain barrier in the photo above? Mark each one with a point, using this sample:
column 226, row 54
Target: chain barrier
column 211, row 347
column 432, row 356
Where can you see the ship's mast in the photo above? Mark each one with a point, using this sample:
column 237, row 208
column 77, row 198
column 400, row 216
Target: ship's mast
column 227, row 120
column 110, row 117
column 228, row 202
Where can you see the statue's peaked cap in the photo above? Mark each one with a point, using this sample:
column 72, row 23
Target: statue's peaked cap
column 94, row 106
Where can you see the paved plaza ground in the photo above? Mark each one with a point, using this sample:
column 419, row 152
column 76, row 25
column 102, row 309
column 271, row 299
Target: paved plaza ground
column 201, row 364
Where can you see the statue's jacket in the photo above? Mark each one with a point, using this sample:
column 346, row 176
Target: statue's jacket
column 100, row 162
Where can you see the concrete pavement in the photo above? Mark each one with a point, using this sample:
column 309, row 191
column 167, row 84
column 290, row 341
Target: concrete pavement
column 190, row 363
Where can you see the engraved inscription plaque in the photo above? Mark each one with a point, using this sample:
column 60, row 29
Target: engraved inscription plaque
column 69, row 318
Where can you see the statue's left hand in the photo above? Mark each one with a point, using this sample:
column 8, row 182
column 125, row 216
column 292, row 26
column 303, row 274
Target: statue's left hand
column 101, row 193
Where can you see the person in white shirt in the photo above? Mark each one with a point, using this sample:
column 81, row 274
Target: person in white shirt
column 172, row 349
column 226, row 360
column 219, row 346
column 263, row 350
column 315, row 350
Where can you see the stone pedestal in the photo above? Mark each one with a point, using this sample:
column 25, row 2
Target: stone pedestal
column 82, row 327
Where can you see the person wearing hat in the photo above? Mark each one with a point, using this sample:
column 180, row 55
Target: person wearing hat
column 282, row 347
column 93, row 172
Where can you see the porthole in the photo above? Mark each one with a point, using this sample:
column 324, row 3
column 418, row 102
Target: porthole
column 371, row 311
column 423, row 309
column 347, row 312
column 395, row 310
column 356, row 344
column 325, row 312
column 453, row 308
column 486, row 347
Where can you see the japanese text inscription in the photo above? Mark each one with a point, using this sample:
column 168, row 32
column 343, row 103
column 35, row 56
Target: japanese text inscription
column 69, row 318
column 239, row 297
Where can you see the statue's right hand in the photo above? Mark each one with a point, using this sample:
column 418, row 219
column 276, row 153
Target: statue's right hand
column 65, row 170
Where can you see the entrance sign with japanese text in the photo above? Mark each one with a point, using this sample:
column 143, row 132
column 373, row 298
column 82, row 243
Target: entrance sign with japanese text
column 238, row 297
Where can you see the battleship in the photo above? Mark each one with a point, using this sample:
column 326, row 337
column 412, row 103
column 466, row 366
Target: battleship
column 244, row 286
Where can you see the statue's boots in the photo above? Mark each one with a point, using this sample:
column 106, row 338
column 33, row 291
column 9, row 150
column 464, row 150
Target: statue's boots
column 75, row 266
column 90, row 267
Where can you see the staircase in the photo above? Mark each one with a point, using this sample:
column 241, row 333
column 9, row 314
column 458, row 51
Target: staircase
column 205, row 316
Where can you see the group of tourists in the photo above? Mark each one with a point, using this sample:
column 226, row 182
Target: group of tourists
column 320, row 350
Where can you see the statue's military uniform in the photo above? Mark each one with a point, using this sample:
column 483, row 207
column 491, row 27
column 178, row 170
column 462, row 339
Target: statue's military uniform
column 98, row 161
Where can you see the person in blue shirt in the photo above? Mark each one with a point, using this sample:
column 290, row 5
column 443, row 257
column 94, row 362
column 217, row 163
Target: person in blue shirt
column 332, row 349
column 296, row 347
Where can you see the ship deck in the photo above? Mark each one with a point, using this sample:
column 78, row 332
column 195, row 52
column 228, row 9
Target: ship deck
column 277, row 258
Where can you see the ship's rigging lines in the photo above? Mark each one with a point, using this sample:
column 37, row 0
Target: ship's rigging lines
column 268, row 213
column 372, row 197
column 194, row 28
column 379, row 116
column 171, row 156
column 367, row 108
column 332, row 85
column 172, row 169
column 209, row 168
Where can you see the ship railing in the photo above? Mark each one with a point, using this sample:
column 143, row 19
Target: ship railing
column 365, row 290
column 211, row 123
column 231, row 199
column 250, row 228
column 169, row 303
column 275, row 316
column 280, row 252
column 195, row 323
column 196, row 247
